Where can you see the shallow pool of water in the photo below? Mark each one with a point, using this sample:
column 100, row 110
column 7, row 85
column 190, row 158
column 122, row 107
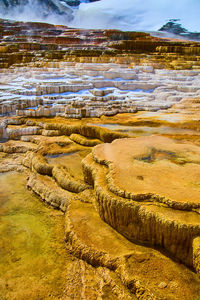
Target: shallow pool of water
column 33, row 257
column 147, row 130
column 3, row 140
column 71, row 160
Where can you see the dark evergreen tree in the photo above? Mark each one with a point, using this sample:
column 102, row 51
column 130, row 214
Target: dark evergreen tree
column 173, row 27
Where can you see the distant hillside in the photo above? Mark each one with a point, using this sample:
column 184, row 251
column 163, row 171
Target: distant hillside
column 172, row 26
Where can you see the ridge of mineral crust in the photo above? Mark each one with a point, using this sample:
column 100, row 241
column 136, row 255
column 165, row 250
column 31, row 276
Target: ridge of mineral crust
column 147, row 189
column 152, row 229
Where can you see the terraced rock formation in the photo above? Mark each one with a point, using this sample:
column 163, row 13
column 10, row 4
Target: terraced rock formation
column 49, row 70
column 79, row 90
column 145, row 188
column 39, row 42
column 105, row 127
column 149, row 191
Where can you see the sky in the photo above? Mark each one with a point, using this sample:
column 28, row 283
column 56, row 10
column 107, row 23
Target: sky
column 137, row 14
column 145, row 15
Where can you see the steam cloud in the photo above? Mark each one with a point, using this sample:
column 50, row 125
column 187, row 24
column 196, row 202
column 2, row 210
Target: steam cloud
column 54, row 11
column 146, row 15
column 137, row 15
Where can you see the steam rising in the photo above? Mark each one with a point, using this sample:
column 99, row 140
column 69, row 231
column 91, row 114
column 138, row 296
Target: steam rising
column 146, row 15
column 49, row 11
column 138, row 15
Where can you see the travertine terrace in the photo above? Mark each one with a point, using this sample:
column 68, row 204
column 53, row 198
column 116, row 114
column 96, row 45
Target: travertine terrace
column 158, row 200
column 76, row 90
column 104, row 125
column 55, row 70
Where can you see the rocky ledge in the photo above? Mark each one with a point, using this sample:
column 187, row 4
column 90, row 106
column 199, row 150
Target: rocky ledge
column 147, row 189
column 78, row 90
column 131, row 204
column 49, row 70
column 25, row 42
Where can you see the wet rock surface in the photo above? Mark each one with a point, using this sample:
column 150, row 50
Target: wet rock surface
column 91, row 189
column 138, row 204
column 110, row 138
